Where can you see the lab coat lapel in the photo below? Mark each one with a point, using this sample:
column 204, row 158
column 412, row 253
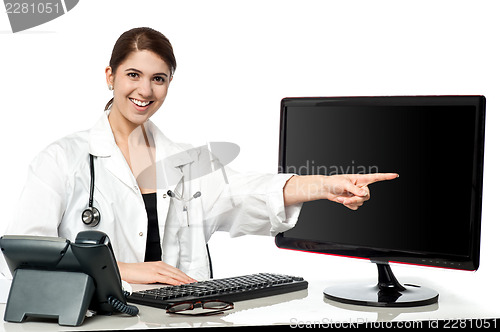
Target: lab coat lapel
column 117, row 165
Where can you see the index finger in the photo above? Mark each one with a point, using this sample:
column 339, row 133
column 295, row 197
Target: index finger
column 366, row 179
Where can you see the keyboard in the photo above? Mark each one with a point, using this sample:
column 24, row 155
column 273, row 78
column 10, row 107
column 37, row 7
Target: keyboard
column 227, row 289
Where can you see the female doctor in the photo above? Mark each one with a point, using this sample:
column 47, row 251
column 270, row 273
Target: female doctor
column 151, row 196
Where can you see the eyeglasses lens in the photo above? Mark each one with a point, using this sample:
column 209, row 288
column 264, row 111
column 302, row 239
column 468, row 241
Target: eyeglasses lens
column 180, row 307
column 216, row 305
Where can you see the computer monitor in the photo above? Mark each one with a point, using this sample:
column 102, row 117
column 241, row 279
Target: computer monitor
column 430, row 215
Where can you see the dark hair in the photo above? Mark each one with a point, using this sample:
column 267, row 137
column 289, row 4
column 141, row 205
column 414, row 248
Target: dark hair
column 140, row 39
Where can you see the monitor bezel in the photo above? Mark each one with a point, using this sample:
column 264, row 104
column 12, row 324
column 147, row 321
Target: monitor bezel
column 470, row 261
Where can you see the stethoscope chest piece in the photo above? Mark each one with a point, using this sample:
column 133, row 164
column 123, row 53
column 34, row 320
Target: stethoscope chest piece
column 91, row 217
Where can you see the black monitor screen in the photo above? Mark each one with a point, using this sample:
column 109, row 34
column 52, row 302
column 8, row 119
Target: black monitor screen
column 430, row 215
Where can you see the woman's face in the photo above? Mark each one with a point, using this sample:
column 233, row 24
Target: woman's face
column 140, row 86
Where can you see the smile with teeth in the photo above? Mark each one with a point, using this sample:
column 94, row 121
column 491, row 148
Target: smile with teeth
column 140, row 103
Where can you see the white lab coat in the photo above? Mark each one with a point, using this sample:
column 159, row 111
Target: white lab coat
column 57, row 192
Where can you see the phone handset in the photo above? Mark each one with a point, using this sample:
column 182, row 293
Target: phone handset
column 95, row 246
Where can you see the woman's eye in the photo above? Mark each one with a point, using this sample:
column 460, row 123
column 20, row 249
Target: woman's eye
column 159, row 79
column 133, row 75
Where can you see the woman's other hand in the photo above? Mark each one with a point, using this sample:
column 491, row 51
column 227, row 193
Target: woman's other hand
column 351, row 190
column 153, row 272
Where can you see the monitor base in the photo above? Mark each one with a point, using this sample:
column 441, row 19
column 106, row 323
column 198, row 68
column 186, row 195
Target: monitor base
column 387, row 293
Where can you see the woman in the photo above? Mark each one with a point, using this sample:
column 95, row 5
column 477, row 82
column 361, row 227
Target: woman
column 157, row 213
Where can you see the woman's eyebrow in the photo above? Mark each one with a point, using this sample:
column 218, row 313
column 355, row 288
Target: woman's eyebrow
column 140, row 72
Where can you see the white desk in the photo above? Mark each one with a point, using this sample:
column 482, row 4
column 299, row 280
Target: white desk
column 462, row 296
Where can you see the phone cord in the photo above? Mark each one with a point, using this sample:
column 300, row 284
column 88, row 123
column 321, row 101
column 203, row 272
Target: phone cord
column 128, row 309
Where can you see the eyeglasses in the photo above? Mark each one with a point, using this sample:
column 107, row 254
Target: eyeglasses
column 213, row 307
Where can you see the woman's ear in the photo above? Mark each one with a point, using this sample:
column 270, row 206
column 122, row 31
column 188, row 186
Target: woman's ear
column 109, row 76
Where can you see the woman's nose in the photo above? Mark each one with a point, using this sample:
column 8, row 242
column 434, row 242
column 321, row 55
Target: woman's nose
column 145, row 89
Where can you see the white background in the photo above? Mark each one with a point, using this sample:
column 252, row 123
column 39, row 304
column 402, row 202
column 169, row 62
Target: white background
column 236, row 61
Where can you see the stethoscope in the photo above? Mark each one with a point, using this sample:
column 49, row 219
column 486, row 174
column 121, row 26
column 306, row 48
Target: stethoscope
column 91, row 215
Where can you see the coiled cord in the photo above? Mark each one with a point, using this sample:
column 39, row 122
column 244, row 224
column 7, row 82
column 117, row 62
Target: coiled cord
column 128, row 309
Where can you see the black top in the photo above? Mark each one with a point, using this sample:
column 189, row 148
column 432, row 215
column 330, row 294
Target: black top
column 153, row 245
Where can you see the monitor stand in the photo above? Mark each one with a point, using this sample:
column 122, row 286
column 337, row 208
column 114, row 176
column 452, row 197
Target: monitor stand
column 387, row 293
